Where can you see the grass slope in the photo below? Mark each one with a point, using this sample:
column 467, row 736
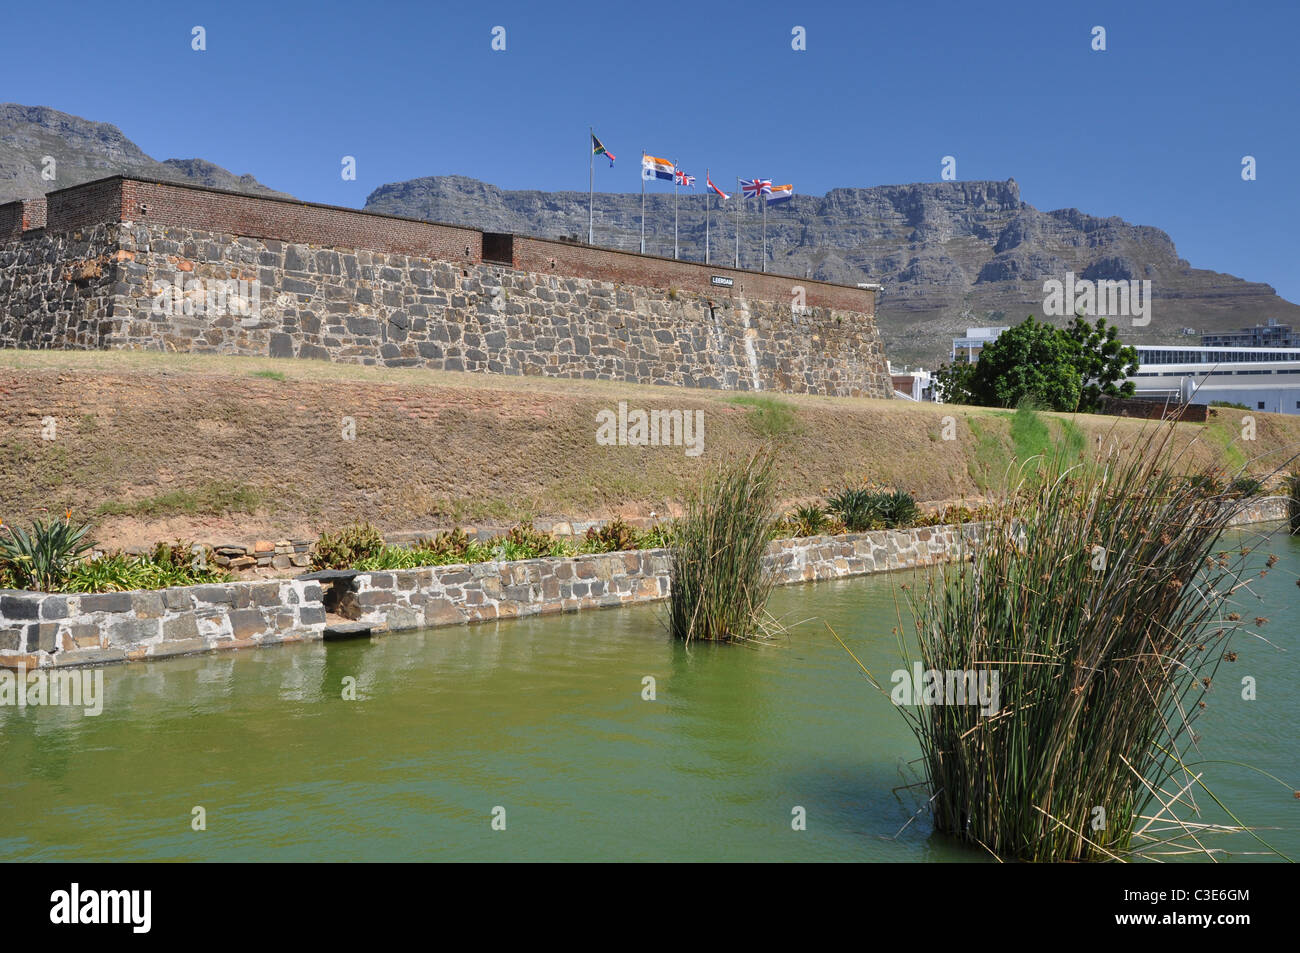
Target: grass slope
column 158, row 446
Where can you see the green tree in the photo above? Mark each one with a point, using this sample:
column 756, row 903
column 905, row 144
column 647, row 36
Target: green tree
column 1031, row 360
column 1103, row 361
column 953, row 382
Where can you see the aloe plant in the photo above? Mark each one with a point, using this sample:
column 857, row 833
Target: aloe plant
column 856, row 508
column 42, row 557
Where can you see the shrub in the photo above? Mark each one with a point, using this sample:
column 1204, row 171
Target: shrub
column 659, row 536
column 864, row 509
column 720, row 586
column 897, row 510
column 783, row 528
column 1206, row 483
column 615, row 536
column 42, row 557
column 167, row 565
column 1245, row 487
column 856, row 509
column 113, row 572
column 808, row 520
column 349, row 546
column 957, row 514
column 453, row 544
column 525, row 542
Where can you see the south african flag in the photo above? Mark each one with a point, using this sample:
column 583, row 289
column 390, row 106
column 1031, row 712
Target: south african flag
column 598, row 149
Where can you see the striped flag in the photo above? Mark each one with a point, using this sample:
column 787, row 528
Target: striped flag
column 714, row 189
column 655, row 168
column 684, row 179
column 755, row 187
column 780, row 193
column 598, row 149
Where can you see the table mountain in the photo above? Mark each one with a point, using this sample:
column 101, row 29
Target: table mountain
column 83, row 151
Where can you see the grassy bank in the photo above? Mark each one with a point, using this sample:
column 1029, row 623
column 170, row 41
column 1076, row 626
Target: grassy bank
column 210, row 448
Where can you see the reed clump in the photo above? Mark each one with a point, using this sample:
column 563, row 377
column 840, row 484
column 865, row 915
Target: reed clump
column 720, row 585
column 1292, row 485
column 1098, row 600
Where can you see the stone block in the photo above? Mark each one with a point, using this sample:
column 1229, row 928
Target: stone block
column 246, row 623
column 41, row 635
column 106, row 602
column 127, row 633
column 266, row 594
column 372, row 598
column 84, row 635
column 213, row 594
column 147, row 605
column 21, row 607
column 177, row 599
column 54, row 607
column 11, row 639
column 180, row 627
column 90, row 656
column 311, row 615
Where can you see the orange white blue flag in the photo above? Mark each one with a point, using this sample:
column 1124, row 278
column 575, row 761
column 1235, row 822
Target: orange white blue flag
column 655, row 168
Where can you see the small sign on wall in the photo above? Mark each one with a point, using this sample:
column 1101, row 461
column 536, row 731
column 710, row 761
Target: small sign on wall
column 722, row 281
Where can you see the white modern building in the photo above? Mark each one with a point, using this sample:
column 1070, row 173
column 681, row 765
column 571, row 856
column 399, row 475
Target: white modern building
column 1266, row 379
column 967, row 349
column 911, row 385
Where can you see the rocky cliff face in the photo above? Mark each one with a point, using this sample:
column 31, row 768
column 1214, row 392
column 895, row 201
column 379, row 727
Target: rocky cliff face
column 83, row 151
column 949, row 254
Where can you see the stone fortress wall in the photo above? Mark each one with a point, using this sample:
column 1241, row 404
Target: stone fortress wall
column 126, row 263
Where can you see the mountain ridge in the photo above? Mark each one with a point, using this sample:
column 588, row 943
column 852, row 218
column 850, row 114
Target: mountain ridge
column 949, row 254
column 83, row 150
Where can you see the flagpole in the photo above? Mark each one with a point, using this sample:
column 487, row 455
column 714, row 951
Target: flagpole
column 591, row 188
column 643, row 201
column 675, row 168
column 764, row 201
column 707, row 191
column 739, row 198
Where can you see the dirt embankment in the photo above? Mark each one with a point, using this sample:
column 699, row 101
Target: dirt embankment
column 156, row 446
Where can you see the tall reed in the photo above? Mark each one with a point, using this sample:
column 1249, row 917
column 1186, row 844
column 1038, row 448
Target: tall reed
column 1097, row 598
column 720, row 586
column 1292, row 485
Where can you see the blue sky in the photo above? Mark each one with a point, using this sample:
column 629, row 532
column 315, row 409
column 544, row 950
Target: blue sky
column 1153, row 129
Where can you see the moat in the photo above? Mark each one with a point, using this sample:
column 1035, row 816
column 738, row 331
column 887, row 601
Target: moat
column 546, row 718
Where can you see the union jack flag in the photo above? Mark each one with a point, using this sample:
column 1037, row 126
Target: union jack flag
column 684, row 179
column 755, row 187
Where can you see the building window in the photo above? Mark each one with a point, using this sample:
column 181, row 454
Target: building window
column 1259, row 405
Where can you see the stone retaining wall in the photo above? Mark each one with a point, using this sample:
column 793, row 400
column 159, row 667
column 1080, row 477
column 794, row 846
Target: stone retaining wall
column 39, row 629
column 42, row 630
column 1263, row 510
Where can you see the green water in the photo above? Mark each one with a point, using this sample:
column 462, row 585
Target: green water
column 545, row 718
